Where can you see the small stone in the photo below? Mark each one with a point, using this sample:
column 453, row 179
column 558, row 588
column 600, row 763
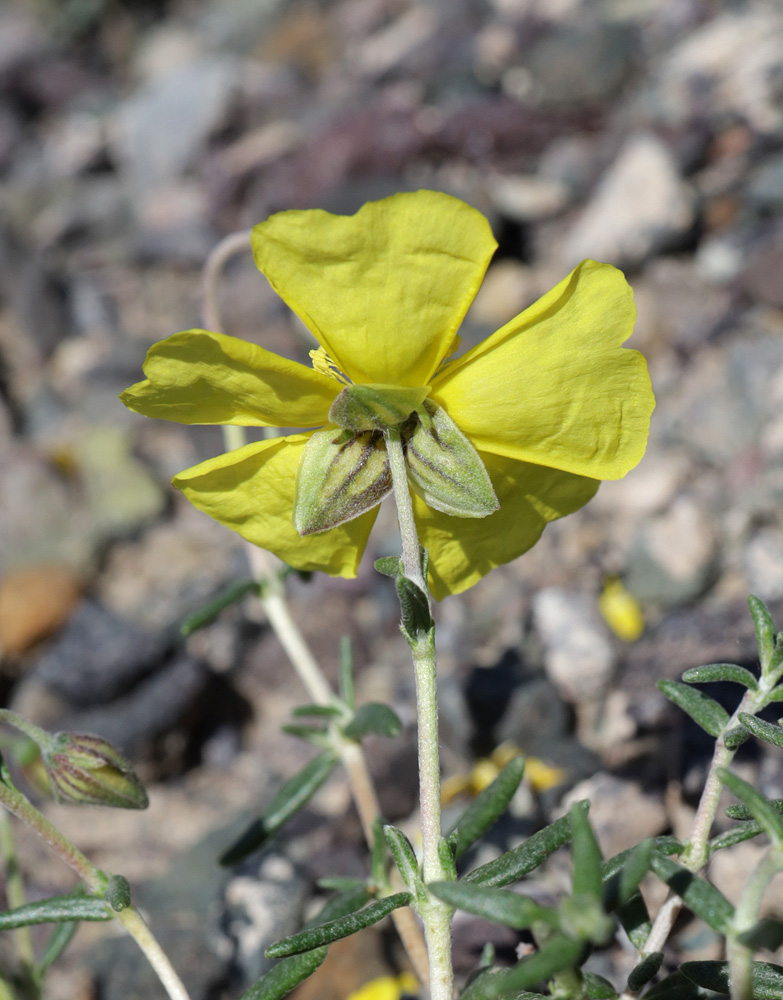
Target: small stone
column 641, row 207
column 505, row 291
column 578, row 658
column 528, row 198
column 764, row 564
column 674, row 557
column 34, row 602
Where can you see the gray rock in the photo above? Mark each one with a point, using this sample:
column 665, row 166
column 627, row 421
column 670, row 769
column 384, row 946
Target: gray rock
column 641, row 206
column 674, row 558
column 764, row 191
column 763, row 559
column 160, row 130
column 578, row 658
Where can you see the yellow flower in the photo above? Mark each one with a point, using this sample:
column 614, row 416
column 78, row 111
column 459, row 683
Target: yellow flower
column 551, row 401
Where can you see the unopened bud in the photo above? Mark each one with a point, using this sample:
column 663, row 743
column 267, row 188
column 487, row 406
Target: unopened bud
column 118, row 894
column 340, row 476
column 88, row 770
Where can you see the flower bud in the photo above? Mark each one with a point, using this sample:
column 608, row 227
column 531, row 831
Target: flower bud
column 87, row 769
column 340, row 476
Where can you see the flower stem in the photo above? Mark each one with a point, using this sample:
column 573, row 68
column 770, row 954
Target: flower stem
column 213, row 268
column 95, row 880
column 435, row 915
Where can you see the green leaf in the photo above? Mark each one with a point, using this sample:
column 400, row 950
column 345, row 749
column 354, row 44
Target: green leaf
column 319, row 711
column 524, row 859
column 776, row 694
column 341, row 883
column 347, row 691
column 704, row 711
column 490, row 803
column 348, row 901
column 736, row 836
column 54, row 910
column 598, row 988
column 644, row 971
column 699, row 896
column 585, row 857
column 635, row 920
column 405, row 859
column 446, row 855
column 673, row 987
column 721, row 672
column 321, row 934
column 762, row 730
column 767, row 933
column 735, row 737
column 740, row 811
column 501, row 906
column 291, row 797
column 765, row 630
column 378, row 872
column 310, row 734
column 285, row 976
column 487, row 959
column 663, row 845
column 415, row 608
column 557, row 954
column 207, row 614
column 767, row 978
column 373, row 718
column 765, row 814
column 623, row 883
column 61, row 937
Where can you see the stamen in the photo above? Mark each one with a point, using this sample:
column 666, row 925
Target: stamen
column 323, row 363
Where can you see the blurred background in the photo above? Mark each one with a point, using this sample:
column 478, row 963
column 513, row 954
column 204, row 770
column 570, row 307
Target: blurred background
column 646, row 133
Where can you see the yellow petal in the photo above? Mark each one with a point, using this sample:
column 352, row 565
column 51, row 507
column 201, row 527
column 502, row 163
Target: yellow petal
column 383, row 291
column 251, row 491
column 462, row 549
column 554, row 386
column 198, row 377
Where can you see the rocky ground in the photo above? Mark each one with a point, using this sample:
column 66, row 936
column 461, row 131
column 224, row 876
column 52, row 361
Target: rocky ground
column 646, row 133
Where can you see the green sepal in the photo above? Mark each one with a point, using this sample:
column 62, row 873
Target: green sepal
column 206, row 615
column 118, row 893
column 699, row 896
column 490, row 803
column 501, row 906
column 598, row 988
column 767, row 982
column 375, row 719
column 374, row 407
column 705, row 712
column 762, row 810
column 522, row 860
column 713, row 672
column 56, row 909
column 86, row 769
column 338, row 478
column 286, row 976
column 321, row 934
column 406, row 861
column 414, row 609
column 762, row 730
column 644, row 971
column 290, row 798
column 445, row 469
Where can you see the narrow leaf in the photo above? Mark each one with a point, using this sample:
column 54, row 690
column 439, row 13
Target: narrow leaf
column 704, row 711
column 373, row 718
column 699, row 896
column 61, row 937
column 619, row 888
column 765, row 814
column 524, row 859
column 765, row 630
column 310, row 734
column 765, row 731
column 721, row 672
column 389, row 566
column 340, row 883
column 663, row 845
column 585, row 856
column 285, row 976
column 347, row 692
column 501, row 906
column 488, row 805
column 735, row 737
column 207, row 614
column 598, row 988
column 446, row 855
column 635, row 920
column 405, row 859
column 740, row 811
column 736, row 836
column 319, row 711
column 348, row 901
column 644, row 971
column 767, row 978
column 291, row 797
column 557, row 954
column 54, row 910
column 416, row 617
column 342, row 927
column 673, row 987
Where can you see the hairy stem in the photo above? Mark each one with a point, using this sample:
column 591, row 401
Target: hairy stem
column 435, row 915
column 132, row 922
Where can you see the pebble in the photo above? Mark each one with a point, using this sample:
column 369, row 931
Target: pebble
column 640, row 207
column 35, row 601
